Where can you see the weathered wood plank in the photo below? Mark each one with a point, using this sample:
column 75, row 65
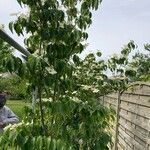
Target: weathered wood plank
column 138, row 100
column 132, row 131
column 110, row 103
column 140, row 94
column 136, row 109
column 139, row 121
column 124, row 143
column 132, row 141
column 143, row 131
column 120, row 147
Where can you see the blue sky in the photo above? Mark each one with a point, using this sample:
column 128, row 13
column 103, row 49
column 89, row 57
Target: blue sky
column 114, row 24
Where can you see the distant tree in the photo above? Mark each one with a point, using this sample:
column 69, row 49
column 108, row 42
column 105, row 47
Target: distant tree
column 141, row 63
column 14, row 86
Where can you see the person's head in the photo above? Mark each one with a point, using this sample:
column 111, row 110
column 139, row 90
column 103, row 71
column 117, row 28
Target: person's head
column 2, row 100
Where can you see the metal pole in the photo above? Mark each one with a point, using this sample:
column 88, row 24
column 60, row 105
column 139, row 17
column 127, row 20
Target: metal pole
column 9, row 40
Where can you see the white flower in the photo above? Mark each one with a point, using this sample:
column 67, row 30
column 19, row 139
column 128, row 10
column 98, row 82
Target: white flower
column 27, row 84
column 85, row 63
column 75, row 99
column 86, row 102
column 99, row 78
column 86, row 87
column 74, row 92
column 80, row 141
column 27, row 124
column 51, row 70
column 78, row 67
column 14, row 126
column 95, row 90
column 91, row 74
column 47, row 99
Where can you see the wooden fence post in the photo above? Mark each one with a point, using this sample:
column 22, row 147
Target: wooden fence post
column 117, row 120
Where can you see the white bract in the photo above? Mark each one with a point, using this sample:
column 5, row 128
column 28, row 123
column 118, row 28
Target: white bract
column 51, row 70
column 47, row 99
column 76, row 99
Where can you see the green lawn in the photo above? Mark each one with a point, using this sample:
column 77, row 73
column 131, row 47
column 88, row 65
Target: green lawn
column 17, row 106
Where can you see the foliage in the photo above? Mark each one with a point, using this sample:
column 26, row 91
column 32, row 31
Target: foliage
column 14, row 86
column 119, row 65
column 50, row 24
column 90, row 77
column 78, row 124
column 126, row 68
column 21, row 137
column 57, row 33
column 77, row 117
column 141, row 63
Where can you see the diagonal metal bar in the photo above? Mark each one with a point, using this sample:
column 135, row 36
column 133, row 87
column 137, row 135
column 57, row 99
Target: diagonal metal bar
column 12, row 42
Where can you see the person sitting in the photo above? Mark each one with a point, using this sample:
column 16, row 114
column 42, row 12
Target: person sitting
column 6, row 114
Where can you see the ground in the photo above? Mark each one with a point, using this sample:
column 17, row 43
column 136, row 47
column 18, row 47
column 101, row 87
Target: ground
column 17, row 106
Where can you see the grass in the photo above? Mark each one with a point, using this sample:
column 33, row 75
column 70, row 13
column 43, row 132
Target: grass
column 17, row 106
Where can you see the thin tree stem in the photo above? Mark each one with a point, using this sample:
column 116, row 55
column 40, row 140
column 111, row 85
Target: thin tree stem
column 41, row 110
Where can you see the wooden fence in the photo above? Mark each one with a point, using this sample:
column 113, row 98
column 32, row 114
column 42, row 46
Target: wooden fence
column 132, row 128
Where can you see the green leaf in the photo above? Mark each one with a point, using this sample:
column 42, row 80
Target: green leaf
column 76, row 59
column 99, row 54
column 60, row 145
column 10, row 65
column 53, row 144
column 11, row 26
column 130, row 73
column 40, row 142
column 18, row 28
column 48, row 142
column 131, row 45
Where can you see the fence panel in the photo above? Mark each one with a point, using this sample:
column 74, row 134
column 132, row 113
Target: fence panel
column 133, row 123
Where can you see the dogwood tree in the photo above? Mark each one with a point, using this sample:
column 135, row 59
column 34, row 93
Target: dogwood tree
column 56, row 32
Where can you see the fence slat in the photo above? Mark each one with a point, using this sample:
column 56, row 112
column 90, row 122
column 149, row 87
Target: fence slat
column 135, row 143
column 136, row 109
column 137, row 121
column 138, row 100
column 128, row 126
